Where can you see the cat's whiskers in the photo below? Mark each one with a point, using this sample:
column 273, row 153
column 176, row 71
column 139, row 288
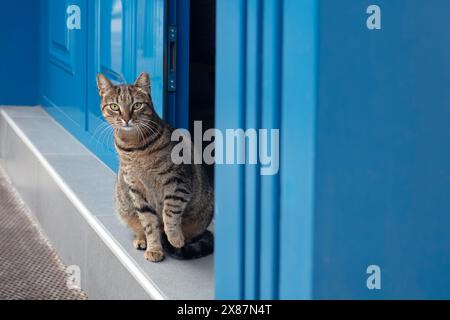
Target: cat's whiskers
column 101, row 132
column 106, row 138
column 154, row 129
column 150, row 130
column 154, row 123
column 98, row 129
column 110, row 138
column 141, row 133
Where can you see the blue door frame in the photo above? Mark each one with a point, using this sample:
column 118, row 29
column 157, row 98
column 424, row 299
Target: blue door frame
column 263, row 223
column 178, row 16
column 364, row 168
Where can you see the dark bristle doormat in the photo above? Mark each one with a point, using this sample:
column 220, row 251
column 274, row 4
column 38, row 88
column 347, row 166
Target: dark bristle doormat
column 29, row 268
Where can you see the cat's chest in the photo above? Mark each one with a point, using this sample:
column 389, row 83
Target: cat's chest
column 144, row 182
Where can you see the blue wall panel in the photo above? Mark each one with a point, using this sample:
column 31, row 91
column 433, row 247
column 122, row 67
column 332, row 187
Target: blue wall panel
column 383, row 168
column 19, row 40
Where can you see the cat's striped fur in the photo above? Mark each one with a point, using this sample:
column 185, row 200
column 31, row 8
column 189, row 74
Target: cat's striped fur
column 166, row 205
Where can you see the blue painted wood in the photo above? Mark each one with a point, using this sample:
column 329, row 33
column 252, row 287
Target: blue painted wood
column 127, row 38
column 248, row 97
column 364, row 172
column 65, row 65
column 252, row 171
column 120, row 38
column 363, row 115
column 382, row 161
column 229, row 179
column 19, row 37
column 270, row 119
column 154, row 24
column 178, row 102
column 183, row 58
column 297, row 166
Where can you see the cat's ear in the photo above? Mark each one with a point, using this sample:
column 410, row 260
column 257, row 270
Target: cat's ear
column 143, row 82
column 103, row 84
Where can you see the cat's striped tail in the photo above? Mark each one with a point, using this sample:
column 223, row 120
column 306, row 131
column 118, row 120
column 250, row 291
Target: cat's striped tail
column 200, row 246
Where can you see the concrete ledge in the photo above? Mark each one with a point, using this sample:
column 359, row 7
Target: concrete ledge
column 70, row 192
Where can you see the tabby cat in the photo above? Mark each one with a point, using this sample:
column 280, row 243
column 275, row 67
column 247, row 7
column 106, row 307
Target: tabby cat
column 168, row 206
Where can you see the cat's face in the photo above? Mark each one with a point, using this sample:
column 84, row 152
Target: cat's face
column 127, row 108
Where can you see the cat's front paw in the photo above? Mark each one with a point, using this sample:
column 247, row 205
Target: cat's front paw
column 154, row 255
column 140, row 244
column 176, row 239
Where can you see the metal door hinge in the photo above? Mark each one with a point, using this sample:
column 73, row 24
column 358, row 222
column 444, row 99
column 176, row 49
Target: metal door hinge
column 172, row 59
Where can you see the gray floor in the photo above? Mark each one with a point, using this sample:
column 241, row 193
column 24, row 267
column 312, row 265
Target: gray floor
column 29, row 268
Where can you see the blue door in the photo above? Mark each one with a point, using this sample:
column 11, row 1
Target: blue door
column 120, row 38
column 64, row 91
column 126, row 37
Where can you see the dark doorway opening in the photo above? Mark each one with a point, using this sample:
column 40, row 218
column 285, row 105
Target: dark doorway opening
column 202, row 66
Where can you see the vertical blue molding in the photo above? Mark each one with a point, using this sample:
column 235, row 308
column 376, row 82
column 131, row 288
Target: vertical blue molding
column 43, row 40
column 229, row 181
column 271, row 87
column 252, row 172
column 299, row 103
column 249, row 84
column 88, row 22
column 183, row 57
column 129, row 27
column 170, row 111
column 264, row 223
column 177, row 114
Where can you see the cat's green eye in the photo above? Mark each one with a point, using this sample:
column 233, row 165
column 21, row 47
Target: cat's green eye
column 114, row 107
column 138, row 106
